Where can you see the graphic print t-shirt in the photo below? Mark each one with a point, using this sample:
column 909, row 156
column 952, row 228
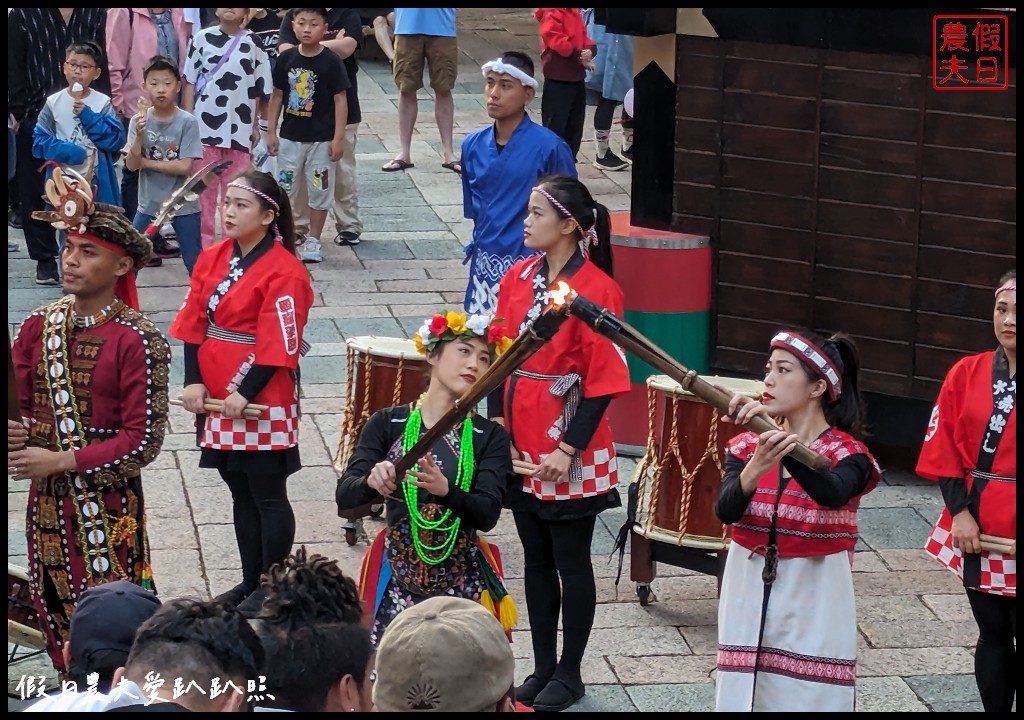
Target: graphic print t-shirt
column 309, row 85
column 226, row 107
column 171, row 139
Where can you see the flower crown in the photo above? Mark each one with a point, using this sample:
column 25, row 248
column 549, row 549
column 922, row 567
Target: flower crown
column 452, row 326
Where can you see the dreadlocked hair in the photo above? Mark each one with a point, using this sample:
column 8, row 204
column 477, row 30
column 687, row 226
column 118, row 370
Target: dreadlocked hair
column 108, row 222
column 308, row 588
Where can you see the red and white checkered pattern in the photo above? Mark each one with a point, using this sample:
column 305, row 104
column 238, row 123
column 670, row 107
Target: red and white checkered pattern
column 998, row 571
column 279, row 430
column 600, row 474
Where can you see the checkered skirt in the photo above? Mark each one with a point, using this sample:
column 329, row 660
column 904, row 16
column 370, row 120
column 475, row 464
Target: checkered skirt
column 998, row 571
column 277, row 429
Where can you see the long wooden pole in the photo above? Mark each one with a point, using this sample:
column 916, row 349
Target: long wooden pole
column 602, row 321
column 537, row 334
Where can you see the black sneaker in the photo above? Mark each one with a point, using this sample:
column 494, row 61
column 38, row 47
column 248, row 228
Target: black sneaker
column 165, row 249
column 347, row 237
column 611, row 162
column 627, row 151
column 46, row 272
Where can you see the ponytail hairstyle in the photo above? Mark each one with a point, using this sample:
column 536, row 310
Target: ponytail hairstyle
column 571, row 198
column 847, row 411
column 269, row 194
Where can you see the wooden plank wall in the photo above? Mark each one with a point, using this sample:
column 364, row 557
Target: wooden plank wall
column 843, row 193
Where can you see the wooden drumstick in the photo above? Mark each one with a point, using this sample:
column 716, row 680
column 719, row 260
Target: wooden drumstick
column 521, row 467
column 994, row 543
column 251, row 410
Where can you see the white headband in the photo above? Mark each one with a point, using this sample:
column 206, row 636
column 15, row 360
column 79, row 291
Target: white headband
column 503, row 68
column 813, row 357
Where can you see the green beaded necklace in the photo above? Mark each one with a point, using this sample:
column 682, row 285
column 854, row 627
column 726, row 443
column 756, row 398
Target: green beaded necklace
column 447, row 524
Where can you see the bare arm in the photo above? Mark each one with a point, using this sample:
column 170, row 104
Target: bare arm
column 188, row 97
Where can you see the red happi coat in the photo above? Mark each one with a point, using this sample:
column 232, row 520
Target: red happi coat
column 804, row 528
column 965, row 423
column 577, row 363
column 259, row 320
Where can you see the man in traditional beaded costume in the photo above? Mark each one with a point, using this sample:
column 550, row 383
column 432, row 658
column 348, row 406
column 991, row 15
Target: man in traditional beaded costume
column 92, row 378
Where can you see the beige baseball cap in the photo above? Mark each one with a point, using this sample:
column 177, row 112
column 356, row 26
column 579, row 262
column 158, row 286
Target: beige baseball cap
column 444, row 654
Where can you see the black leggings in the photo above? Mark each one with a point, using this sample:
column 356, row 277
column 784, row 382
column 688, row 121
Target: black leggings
column 995, row 656
column 264, row 521
column 558, row 550
column 563, row 110
column 604, row 113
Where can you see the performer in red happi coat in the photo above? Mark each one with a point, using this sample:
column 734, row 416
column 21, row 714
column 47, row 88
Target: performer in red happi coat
column 92, row 381
column 554, row 408
column 242, row 323
column 970, row 448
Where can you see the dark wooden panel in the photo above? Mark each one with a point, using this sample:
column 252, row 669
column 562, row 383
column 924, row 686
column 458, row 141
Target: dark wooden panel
column 765, row 208
column 962, row 266
column 698, row 70
column 760, row 303
column 873, row 88
column 925, row 389
column 768, row 176
column 883, row 382
column 697, row 167
column 761, row 272
column 866, row 221
column 971, row 131
column 884, row 356
column 869, row 121
column 971, row 166
column 868, row 254
column 868, row 188
column 871, row 154
column 976, row 201
column 699, row 135
column 771, row 77
column 684, row 222
column 954, row 333
column 737, row 363
column 867, row 321
column 786, row 54
column 955, row 298
column 933, row 363
column 753, row 239
column 880, row 62
column 985, row 236
column 768, row 143
column 770, row 110
column 699, row 197
column 753, row 336
column 699, row 103
column 994, row 104
column 847, row 283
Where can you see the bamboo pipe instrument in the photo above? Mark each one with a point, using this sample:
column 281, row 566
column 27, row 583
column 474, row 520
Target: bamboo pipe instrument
column 602, row 321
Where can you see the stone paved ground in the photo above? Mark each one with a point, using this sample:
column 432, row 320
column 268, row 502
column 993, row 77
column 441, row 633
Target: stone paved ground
column 916, row 632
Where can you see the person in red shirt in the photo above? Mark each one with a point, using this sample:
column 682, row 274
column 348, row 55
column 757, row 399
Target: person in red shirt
column 554, row 409
column 787, row 590
column 970, row 449
column 242, row 323
column 566, row 55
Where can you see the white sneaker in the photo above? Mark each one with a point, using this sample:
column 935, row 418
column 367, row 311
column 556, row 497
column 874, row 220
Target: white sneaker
column 167, row 231
column 311, row 251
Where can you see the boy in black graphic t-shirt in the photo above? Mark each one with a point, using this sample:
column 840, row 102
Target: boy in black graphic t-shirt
column 309, row 84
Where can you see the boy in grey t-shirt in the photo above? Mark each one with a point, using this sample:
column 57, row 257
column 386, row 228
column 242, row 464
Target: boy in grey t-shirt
column 163, row 140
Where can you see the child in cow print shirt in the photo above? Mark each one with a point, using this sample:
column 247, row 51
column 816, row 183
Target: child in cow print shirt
column 227, row 77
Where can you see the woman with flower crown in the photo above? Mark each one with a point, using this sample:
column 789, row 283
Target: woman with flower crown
column 430, row 546
column 554, row 408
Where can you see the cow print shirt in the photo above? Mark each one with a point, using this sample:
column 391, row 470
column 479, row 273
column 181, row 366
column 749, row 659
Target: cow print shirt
column 226, row 107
